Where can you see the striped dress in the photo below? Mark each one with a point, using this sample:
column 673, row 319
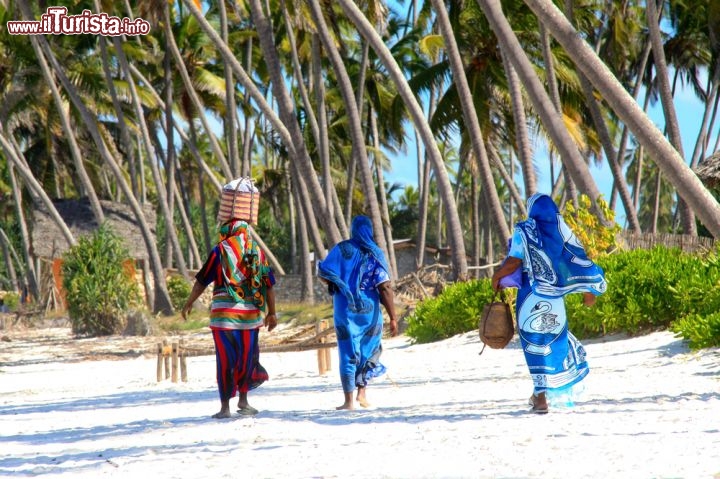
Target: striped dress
column 225, row 312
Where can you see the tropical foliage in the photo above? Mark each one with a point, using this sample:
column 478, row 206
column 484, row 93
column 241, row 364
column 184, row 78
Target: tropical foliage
column 318, row 101
column 648, row 290
column 99, row 286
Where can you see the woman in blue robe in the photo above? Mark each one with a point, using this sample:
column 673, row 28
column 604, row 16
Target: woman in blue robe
column 554, row 264
column 359, row 280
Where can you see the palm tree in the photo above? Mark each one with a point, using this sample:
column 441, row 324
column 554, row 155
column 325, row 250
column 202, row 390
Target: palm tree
column 549, row 114
column 666, row 157
column 472, row 123
column 162, row 297
column 312, row 197
column 457, row 242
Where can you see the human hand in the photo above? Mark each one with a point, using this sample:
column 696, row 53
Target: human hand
column 270, row 321
column 588, row 299
column 496, row 282
column 187, row 309
column 393, row 327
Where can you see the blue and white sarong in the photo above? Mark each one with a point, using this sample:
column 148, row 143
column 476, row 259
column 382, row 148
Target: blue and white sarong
column 554, row 264
column 354, row 269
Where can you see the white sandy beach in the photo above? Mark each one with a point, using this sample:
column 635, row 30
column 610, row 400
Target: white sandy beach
column 651, row 409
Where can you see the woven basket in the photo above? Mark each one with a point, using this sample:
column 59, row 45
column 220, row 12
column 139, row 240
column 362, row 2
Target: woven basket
column 242, row 205
column 496, row 325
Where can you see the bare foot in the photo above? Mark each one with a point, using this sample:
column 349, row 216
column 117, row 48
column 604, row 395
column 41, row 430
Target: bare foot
column 361, row 399
column 223, row 414
column 345, row 406
column 539, row 404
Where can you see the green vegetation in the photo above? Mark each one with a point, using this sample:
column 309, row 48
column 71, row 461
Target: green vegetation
column 99, row 289
column 179, row 289
column 648, row 290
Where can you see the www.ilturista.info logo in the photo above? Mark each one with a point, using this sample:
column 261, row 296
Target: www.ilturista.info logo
column 56, row 21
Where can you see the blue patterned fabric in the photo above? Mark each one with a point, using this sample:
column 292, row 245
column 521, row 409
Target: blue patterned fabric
column 554, row 259
column 554, row 264
column 355, row 268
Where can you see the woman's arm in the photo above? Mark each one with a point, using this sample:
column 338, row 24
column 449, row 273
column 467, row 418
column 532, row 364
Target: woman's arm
column 270, row 319
column 387, row 298
column 511, row 264
column 197, row 290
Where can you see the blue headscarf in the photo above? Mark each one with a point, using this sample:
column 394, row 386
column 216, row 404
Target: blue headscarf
column 557, row 264
column 343, row 266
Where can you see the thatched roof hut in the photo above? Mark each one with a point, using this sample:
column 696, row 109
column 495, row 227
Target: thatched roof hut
column 48, row 241
column 709, row 170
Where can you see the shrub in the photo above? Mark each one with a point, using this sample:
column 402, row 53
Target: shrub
column 99, row 289
column 456, row 310
column 12, row 300
column 179, row 289
column 648, row 290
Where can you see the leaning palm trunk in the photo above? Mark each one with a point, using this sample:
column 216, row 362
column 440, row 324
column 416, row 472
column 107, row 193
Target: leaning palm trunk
column 471, row 121
column 151, row 157
column 85, row 182
column 13, row 153
column 31, row 275
column 455, row 235
column 667, row 158
column 666, row 98
column 551, row 119
column 192, row 94
column 9, row 254
column 291, row 138
column 354, row 122
column 522, row 138
column 162, row 301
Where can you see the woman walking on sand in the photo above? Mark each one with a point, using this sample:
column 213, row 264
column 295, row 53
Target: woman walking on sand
column 358, row 278
column 243, row 290
column 554, row 264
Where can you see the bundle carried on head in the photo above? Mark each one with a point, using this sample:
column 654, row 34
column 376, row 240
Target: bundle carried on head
column 240, row 200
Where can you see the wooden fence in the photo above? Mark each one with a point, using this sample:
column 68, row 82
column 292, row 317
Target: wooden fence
column 687, row 243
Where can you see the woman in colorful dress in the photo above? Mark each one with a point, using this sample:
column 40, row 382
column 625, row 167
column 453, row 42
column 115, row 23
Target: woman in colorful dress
column 359, row 280
column 243, row 290
column 553, row 264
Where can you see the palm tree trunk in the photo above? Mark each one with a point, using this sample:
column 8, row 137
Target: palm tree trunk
column 457, row 242
column 230, row 124
column 355, row 124
column 13, row 153
column 487, row 182
column 31, row 274
column 152, row 161
column 192, row 94
column 9, row 254
column 292, row 138
column 387, row 228
column 666, row 96
column 522, row 138
column 307, row 293
column 572, row 160
column 423, row 211
column 162, row 297
column 87, row 186
column 667, row 158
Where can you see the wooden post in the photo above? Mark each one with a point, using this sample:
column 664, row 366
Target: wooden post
column 322, row 367
column 166, row 357
column 174, row 362
column 159, row 361
column 183, row 363
column 326, row 351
